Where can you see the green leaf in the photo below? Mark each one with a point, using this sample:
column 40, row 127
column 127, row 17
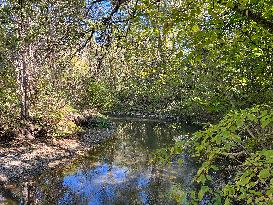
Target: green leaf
column 195, row 28
column 249, row 201
column 271, row 182
column 264, row 174
column 227, row 201
column 203, row 190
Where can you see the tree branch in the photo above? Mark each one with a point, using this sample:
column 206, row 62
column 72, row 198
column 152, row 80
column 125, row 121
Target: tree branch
column 256, row 17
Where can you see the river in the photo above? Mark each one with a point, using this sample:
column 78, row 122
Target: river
column 115, row 172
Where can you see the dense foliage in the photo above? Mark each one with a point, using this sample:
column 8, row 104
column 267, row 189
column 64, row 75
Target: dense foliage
column 236, row 159
column 205, row 61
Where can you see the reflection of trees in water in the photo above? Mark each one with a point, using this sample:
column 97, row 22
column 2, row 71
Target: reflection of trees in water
column 136, row 140
column 45, row 190
column 149, row 135
column 131, row 148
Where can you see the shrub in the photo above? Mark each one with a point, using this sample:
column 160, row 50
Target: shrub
column 236, row 159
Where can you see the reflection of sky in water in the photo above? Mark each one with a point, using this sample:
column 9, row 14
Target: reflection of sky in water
column 104, row 184
column 116, row 172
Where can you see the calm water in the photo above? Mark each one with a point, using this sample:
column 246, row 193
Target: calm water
column 116, row 172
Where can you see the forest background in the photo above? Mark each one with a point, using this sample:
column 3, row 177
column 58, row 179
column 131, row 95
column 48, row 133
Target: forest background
column 204, row 61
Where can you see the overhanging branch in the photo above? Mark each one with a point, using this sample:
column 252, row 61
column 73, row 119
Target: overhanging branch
column 256, row 17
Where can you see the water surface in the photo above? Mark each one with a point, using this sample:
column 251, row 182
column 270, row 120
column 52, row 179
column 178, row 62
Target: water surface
column 116, row 172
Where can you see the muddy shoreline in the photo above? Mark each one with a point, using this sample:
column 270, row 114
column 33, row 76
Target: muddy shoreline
column 22, row 160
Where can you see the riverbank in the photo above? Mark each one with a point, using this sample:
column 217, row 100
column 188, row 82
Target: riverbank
column 21, row 160
column 157, row 117
column 148, row 116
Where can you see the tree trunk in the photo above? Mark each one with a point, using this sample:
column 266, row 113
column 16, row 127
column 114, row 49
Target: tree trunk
column 24, row 86
column 23, row 72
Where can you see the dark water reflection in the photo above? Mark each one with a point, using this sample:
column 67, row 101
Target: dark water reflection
column 116, row 172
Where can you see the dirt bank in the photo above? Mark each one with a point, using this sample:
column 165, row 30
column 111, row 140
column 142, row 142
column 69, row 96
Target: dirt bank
column 21, row 160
